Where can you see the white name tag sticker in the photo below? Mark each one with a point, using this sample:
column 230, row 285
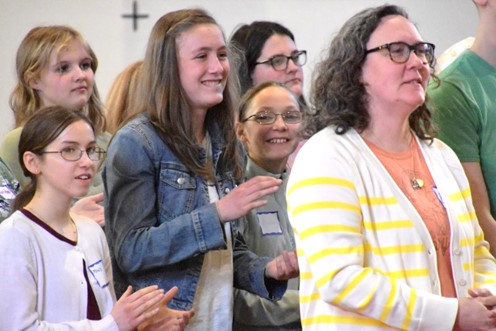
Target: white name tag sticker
column 98, row 272
column 269, row 223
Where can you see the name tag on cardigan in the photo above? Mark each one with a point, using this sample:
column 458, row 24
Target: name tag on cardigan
column 269, row 223
column 98, row 272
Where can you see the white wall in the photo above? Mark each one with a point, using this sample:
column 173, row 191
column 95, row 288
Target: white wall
column 313, row 23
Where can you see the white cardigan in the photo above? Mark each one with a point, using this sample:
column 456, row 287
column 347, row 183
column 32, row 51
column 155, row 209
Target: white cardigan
column 42, row 285
column 367, row 261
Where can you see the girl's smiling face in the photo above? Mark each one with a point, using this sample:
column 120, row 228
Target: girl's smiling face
column 269, row 145
column 203, row 65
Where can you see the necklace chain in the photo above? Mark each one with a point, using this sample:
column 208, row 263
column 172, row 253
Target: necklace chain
column 417, row 183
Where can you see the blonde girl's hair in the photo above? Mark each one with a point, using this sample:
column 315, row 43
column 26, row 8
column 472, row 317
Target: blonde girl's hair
column 121, row 97
column 33, row 55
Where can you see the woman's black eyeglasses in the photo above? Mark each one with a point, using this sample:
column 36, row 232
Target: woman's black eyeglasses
column 280, row 62
column 399, row 51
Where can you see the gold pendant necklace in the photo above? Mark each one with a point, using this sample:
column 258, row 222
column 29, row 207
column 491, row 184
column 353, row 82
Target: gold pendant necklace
column 417, row 183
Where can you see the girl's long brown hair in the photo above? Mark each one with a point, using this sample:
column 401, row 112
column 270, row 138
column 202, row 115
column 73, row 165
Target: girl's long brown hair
column 165, row 100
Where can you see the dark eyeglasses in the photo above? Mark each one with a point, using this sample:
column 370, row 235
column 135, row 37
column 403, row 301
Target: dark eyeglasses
column 74, row 154
column 399, row 51
column 280, row 62
column 268, row 117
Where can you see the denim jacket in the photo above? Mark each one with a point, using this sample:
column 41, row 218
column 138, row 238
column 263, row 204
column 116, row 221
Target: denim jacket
column 159, row 221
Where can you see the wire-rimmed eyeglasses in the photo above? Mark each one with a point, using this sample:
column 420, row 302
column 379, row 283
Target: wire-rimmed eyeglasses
column 280, row 62
column 268, row 117
column 74, row 154
column 399, row 51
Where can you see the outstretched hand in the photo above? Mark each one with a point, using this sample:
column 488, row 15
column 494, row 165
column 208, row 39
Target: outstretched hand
column 90, row 207
column 132, row 309
column 167, row 319
column 283, row 267
column 245, row 197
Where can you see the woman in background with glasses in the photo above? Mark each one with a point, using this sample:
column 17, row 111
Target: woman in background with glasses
column 269, row 120
column 268, row 52
column 384, row 223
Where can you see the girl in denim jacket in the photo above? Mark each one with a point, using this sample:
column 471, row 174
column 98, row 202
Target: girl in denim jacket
column 170, row 180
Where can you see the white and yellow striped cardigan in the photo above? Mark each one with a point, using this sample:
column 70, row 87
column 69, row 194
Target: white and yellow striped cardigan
column 367, row 261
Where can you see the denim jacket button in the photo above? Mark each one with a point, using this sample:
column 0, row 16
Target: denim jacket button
column 181, row 180
column 227, row 190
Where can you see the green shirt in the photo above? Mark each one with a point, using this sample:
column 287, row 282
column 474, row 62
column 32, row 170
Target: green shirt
column 267, row 232
column 464, row 109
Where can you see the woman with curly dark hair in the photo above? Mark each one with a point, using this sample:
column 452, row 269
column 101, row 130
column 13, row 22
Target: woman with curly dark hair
column 382, row 212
